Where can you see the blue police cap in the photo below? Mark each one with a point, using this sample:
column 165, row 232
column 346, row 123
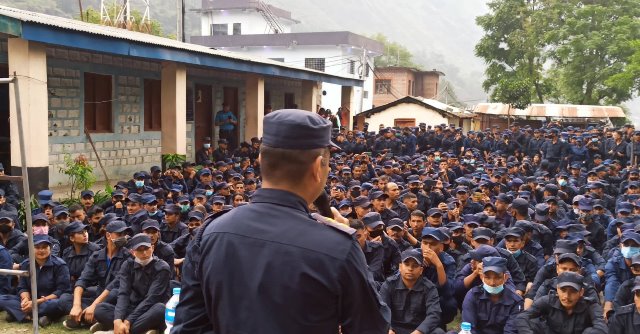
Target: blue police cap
column 148, row 198
column 372, row 220
column 629, row 235
column 171, row 208
column 218, row 200
column 41, row 239
column 40, row 216
column 570, row 279
column 107, row 218
column 362, row 201
column 565, row 246
column 482, row 233
column 625, row 207
column 395, row 223
column 496, row 264
column 412, row 253
column 344, row 202
column 296, row 129
column 150, row 223
column 135, row 198
column 139, row 240
column 585, row 204
column 434, row 233
column 86, row 193
column 636, row 284
column 75, row 227
column 196, row 215
column 117, row 226
column 59, row 210
column 44, row 197
column 483, row 251
column 569, row 256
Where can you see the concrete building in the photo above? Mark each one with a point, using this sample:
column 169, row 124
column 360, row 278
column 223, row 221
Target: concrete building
column 392, row 83
column 411, row 111
column 138, row 96
column 261, row 30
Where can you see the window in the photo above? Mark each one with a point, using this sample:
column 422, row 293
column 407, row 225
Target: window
column 352, row 66
column 152, row 105
column 219, row 29
column 314, row 63
column 97, row 102
column 366, row 94
column 409, row 90
column 383, row 86
column 237, row 28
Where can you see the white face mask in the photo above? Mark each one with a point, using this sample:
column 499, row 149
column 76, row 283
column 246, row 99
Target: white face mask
column 143, row 262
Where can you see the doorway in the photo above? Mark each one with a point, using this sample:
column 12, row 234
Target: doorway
column 5, row 137
column 230, row 96
column 203, row 121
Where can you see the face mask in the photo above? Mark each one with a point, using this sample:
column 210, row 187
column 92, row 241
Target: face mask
column 184, row 208
column 516, row 253
column 562, row 182
column 437, row 158
column 207, row 145
column 236, row 165
column 143, row 262
column 458, row 240
column 119, row 242
column 628, row 252
column 576, row 211
column 41, row 230
column 139, row 184
column 153, row 213
column 376, row 233
column 208, row 192
column 5, row 228
column 494, row 290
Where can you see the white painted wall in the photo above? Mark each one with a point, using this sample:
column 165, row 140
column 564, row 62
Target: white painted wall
column 406, row 110
column 336, row 62
column 252, row 22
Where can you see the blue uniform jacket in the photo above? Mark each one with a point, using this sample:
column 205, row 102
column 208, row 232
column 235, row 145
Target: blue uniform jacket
column 487, row 317
column 290, row 274
column 100, row 272
column 52, row 278
column 616, row 271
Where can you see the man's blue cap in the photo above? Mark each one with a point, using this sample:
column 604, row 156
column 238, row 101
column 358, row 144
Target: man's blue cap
column 148, row 198
column 150, row 223
column 571, row 257
column 565, row 246
column 135, row 198
column 585, row 204
column 86, row 193
column 542, row 212
column 367, row 186
column 74, row 227
column 60, row 209
column 570, row 279
column 196, row 214
column 625, row 207
column 362, row 201
column 171, row 208
column 182, row 199
column 434, row 211
column 139, row 240
column 41, row 239
column 107, row 218
column 117, row 193
column 205, row 171
column 513, row 232
column 44, row 197
column 412, row 253
column 454, row 226
column 629, row 235
column 496, row 264
column 295, row 129
column 343, row 203
column 433, row 233
column 218, row 200
column 372, row 220
column 483, row 251
column 482, row 233
column 396, row 223
column 40, row 216
column 117, row 226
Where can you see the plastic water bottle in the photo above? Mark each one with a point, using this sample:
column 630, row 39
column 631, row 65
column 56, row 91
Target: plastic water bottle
column 170, row 311
column 465, row 328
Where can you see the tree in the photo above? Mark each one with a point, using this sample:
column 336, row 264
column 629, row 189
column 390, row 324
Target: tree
column 153, row 27
column 394, row 54
column 564, row 51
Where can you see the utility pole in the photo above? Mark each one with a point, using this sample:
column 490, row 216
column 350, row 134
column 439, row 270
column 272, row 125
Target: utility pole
column 180, row 20
column 81, row 12
column 365, row 64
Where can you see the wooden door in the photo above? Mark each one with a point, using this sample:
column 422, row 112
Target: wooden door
column 404, row 122
column 203, row 121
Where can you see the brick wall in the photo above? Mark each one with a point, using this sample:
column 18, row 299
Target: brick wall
column 399, row 85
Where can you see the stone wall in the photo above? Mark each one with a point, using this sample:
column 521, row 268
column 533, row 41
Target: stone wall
column 128, row 148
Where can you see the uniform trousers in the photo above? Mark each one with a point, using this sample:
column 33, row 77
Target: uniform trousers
column 11, row 304
column 152, row 319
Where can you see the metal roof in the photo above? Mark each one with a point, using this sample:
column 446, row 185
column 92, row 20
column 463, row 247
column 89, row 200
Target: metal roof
column 551, row 110
column 62, row 31
column 208, row 5
column 444, row 109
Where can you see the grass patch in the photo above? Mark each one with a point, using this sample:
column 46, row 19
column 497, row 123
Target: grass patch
column 23, row 328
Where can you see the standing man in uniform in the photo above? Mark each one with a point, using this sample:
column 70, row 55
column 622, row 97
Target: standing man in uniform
column 227, row 122
column 292, row 274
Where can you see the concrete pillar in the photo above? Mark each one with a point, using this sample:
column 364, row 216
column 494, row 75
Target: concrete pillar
column 309, row 98
column 29, row 61
column 254, row 106
column 350, row 104
column 174, row 108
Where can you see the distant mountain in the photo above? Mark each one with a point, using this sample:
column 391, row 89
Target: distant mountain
column 440, row 33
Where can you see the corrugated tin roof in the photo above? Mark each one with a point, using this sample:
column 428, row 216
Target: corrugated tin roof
column 551, row 110
column 123, row 34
